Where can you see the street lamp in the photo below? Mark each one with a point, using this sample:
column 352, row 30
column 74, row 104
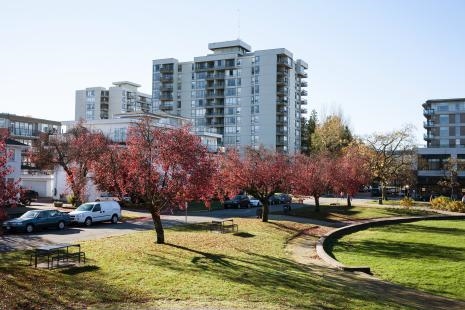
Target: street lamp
column 407, row 192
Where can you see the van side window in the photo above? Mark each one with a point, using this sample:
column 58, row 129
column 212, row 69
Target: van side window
column 96, row 208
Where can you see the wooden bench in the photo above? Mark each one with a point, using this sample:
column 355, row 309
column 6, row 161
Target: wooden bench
column 226, row 225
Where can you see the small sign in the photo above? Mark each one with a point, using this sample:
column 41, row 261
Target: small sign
column 423, row 189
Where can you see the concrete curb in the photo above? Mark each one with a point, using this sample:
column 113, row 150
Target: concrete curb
column 340, row 232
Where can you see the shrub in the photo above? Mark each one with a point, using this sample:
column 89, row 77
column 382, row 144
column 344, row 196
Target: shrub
column 406, row 202
column 440, row 202
column 447, row 204
column 456, row 206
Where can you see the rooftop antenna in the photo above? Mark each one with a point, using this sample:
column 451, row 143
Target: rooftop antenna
column 238, row 24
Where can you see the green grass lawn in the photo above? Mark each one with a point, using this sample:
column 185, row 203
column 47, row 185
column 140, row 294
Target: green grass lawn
column 195, row 269
column 428, row 255
column 343, row 213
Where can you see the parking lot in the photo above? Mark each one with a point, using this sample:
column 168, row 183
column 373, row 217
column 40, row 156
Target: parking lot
column 136, row 221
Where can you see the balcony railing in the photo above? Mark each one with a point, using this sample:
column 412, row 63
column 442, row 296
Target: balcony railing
column 428, row 112
column 303, row 93
column 428, row 136
column 428, row 124
column 166, row 97
column 302, row 74
column 282, row 102
column 303, row 84
column 303, row 101
column 166, row 69
column 303, row 111
column 215, row 76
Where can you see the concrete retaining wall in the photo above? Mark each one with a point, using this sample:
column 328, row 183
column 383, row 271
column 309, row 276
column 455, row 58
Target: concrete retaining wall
column 340, row 232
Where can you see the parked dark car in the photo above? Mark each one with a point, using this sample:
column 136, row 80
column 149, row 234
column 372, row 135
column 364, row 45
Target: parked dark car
column 280, row 199
column 28, row 196
column 32, row 220
column 240, row 201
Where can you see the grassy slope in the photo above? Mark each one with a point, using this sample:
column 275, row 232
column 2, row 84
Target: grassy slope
column 195, row 269
column 429, row 255
column 343, row 213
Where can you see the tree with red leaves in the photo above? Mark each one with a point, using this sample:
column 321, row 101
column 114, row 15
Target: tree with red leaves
column 73, row 151
column 166, row 168
column 110, row 173
column 351, row 170
column 8, row 189
column 312, row 176
column 261, row 173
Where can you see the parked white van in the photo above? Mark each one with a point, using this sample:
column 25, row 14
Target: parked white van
column 98, row 211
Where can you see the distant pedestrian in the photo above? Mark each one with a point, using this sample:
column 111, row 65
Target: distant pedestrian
column 259, row 212
column 463, row 198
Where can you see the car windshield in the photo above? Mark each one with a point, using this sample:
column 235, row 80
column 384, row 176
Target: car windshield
column 85, row 207
column 29, row 215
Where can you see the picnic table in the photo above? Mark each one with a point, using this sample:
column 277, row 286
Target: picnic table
column 56, row 253
column 223, row 225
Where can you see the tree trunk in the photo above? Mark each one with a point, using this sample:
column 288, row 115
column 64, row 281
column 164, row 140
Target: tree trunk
column 158, row 226
column 317, row 203
column 349, row 203
column 265, row 212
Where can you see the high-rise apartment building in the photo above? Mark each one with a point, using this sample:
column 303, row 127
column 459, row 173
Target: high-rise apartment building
column 251, row 98
column 445, row 148
column 96, row 103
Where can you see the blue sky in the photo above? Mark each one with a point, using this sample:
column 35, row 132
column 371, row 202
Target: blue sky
column 377, row 61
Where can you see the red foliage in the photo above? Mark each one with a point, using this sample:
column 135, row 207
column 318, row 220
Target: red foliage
column 9, row 190
column 167, row 168
column 312, row 176
column 74, row 151
column 351, row 171
column 260, row 173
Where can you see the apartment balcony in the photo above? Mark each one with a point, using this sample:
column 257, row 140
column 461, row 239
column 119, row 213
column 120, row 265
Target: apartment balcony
column 282, row 111
column 166, row 88
column 303, row 111
column 286, row 62
column 166, row 77
column 282, row 81
column 166, row 97
column 214, row 95
column 303, row 93
column 168, row 69
column 282, row 92
column 282, row 70
column 428, row 112
column 218, row 76
column 428, row 124
column 282, row 102
column 214, row 114
column 428, row 136
column 166, row 106
column 281, row 142
column 303, row 101
column 302, row 74
column 281, row 131
column 281, row 122
column 303, row 84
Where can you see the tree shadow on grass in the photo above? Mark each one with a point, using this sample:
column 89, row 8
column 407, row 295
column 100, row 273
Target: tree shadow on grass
column 390, row 249
column 284, row 282
column 267, row 277
column 25, row 287
column 412, row 228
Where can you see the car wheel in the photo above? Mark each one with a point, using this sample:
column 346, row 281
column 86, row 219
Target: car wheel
column 29, row 228
column 114, row 219
column 61, row 225
column 88, row 222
